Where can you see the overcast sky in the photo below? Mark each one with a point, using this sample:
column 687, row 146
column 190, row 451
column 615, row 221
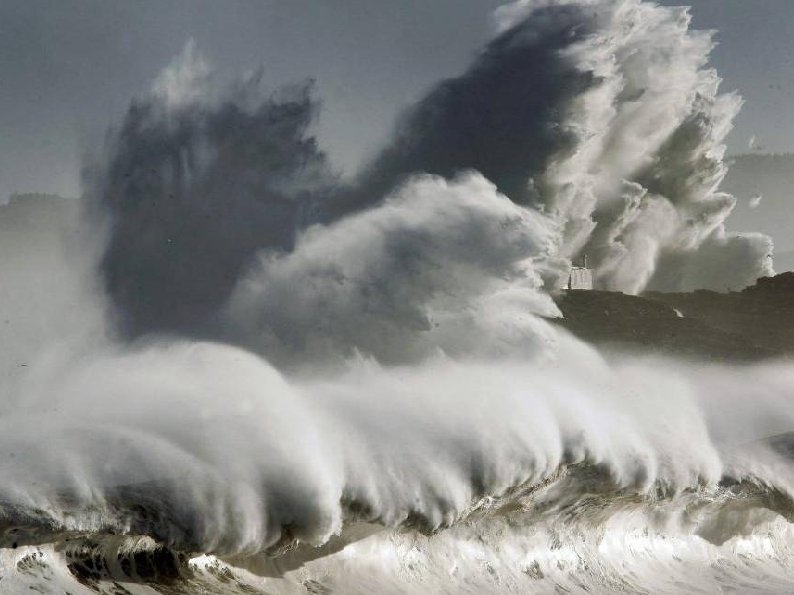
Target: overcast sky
column 68, row 68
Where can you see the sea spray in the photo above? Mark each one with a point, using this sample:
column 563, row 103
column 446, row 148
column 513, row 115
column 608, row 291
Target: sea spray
column 302, row 384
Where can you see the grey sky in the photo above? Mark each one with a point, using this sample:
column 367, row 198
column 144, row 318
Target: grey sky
column 68, row 68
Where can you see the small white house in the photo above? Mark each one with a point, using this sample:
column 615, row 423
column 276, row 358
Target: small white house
column 580, row 278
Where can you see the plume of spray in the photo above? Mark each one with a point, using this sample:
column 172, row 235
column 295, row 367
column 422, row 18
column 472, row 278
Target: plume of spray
column 639, row 190
column 605, row 115
column 197, row 180
column 437, row 267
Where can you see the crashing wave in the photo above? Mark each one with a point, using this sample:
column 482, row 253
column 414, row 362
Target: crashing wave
column 376, row 399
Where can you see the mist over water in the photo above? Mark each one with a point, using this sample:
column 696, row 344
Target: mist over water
column 257, row 364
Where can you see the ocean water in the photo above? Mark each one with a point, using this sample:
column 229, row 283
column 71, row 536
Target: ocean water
column 235, row 374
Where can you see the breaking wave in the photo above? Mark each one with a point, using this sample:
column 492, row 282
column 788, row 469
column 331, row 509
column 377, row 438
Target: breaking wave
column 265, row 378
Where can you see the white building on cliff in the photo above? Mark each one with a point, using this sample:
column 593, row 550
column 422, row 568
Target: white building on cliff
column 580, row 277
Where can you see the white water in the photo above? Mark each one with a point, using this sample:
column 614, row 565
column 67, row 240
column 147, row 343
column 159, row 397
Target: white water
column 388, row 382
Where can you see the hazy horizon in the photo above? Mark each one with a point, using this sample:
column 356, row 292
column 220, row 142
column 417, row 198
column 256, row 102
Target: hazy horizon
column 69, row 69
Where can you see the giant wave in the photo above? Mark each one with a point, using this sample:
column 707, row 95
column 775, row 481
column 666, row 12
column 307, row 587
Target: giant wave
column 251, row 374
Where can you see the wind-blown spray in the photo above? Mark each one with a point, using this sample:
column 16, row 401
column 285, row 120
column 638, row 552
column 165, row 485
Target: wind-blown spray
column 377, row 398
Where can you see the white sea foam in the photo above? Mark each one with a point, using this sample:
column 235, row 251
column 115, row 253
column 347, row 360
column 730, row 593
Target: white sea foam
column 370, row 397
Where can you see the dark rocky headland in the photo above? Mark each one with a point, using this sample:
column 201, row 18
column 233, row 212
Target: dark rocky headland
column 754, row 324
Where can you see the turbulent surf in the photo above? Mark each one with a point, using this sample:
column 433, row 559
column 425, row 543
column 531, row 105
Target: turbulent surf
column 243, row 372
